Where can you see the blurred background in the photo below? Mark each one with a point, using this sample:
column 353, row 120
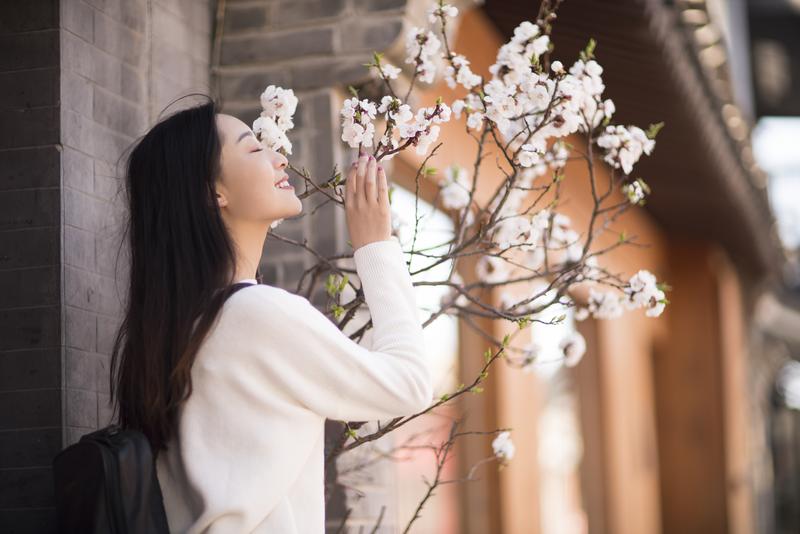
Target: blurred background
column 686, row 423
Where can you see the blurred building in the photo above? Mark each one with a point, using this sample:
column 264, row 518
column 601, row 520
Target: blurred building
column 682, row 424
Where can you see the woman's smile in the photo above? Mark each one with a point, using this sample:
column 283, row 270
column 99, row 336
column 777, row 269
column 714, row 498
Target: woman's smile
column 283, row 183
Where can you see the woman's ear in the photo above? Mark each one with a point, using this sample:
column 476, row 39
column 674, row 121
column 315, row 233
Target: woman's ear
column 220, row 194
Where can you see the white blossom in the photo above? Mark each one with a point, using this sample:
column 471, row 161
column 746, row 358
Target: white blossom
column 421, row 46
column 446, row 10
column 390, row 71
column 624, row 146
column 460, row 72
column 475, row 120
column 271, row 135
column 278, row 106
column 635, row 191
column 573, row 345
column 604, row 305
column 502, row 446
column 395, row 109
column 357, row 127
column 455, row 188
column 491, row 269
column 643, row 292
column 528, row 155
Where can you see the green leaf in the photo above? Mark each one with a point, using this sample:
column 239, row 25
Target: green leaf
column 653, row 129
column 505, row 340
column 588, row 52
column 352, row 91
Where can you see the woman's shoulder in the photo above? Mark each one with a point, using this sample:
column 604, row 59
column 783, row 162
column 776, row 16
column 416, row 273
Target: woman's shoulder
column 264, row 298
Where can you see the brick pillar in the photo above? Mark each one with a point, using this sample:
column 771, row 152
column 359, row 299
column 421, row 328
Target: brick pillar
column 80, row 80
column 317, row 48
column 30, row 279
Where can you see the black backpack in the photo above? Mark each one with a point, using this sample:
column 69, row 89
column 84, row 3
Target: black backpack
column 107, row 483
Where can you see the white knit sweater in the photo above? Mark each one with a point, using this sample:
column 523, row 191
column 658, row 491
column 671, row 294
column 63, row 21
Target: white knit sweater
column 248, row 452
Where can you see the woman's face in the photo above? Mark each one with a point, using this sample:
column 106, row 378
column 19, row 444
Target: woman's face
column 248, row 187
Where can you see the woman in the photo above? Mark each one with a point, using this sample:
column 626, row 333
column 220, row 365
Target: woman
column 233, row 394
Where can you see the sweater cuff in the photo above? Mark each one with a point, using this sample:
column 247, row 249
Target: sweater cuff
column 375, row 260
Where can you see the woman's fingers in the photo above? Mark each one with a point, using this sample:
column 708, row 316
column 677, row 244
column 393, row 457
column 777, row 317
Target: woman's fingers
column 370, row 186
column 383, row 187
column 363, row 159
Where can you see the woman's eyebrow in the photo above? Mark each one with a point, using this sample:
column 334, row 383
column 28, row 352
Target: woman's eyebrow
column 244, row 134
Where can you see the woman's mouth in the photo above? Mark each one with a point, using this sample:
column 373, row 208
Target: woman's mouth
column 283, row 183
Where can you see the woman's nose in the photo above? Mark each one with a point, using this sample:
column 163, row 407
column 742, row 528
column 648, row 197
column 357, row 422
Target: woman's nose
column 282, row 161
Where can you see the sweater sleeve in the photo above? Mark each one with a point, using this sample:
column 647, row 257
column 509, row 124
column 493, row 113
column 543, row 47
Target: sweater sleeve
column 304, row 354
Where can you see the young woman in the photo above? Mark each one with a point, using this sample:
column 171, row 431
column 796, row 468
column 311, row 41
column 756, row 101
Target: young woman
column 233, row 394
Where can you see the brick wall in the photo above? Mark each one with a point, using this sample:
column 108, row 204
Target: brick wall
column 79, row 81
column 30, row 279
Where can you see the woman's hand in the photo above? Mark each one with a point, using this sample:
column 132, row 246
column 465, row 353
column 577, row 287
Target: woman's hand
column 367, row 202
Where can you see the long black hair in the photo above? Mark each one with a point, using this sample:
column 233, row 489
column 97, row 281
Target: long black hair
column 182, row 263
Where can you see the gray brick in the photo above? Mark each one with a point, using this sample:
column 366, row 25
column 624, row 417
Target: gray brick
column 78, row 169
column 107, row 260
column 248, row 86
column 30, row 369
column 118, row 40
column 109, row 144
column 107, row 327
column 79, row 248
column 32, row 286
column 29, row 50
column 110, row 189
column 277, row 47
column 90, row 291
column 327, row 72
column 27, row 208
column 29, row 448
column 31, row 15
column 105, row 415
column 29, row 247
column 31, row 487
column 33, row 167
column 81, row 408
column 76, row 94
column 29, row 328
column 171, row 63
column 77, row 55
column 307, row 11
column 380, row 5
column 30, row 409
column 133, row 84
column 76, row 132
column 29, row 88
column 239, row 18
column 103, row 373
column 30, row 127
column 117, row 113
column 80, row 369
column 78, row 17
column 362, row 36
column 80, row 329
